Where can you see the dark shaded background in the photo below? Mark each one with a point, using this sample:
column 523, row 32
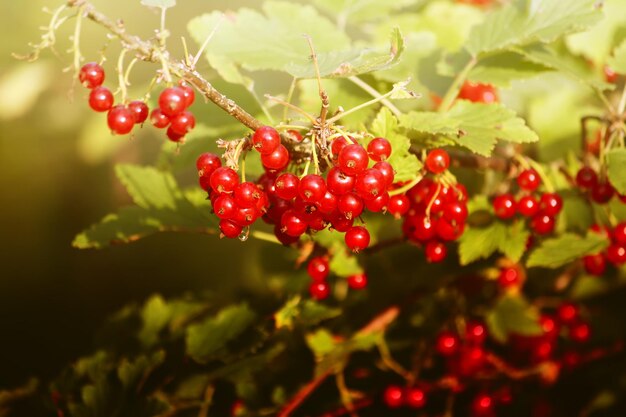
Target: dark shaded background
column 56, row 178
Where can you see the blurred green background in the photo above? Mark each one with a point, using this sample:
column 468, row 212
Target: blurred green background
column 56, row 164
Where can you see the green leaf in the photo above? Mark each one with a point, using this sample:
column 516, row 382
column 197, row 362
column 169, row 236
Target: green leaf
column 355, row 11
column 534, row 21
column 320, row 342
column 343, row 263
column 307, row 313
column 616, row 169
column 566, row 248
column 512, row 315
column 501, row 69
column 480, row 243
column 131, row 373
column 617, row 62
column 162, row 207
column 164, row 4
column 207, row 340
column 430, row 122
column 156, row 314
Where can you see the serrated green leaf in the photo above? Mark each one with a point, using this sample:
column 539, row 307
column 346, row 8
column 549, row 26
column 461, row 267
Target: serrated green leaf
column 566, row 248
column 616, row 169
column 515, row 242
column 480, row 243
column 355, row 11
column 307, row 313
column 430, row 122
column 164, row 4
column 512, row 315
column 535, row 21
column 501, row 69
column 617, row 62
column 148, row 187
column 207, row 340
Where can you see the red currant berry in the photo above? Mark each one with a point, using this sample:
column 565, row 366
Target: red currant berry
column 602, row 192
column 207, row 163
column 483, row 405
column 370, row 184
column 610, row 75
column 551, row 203
column 337, row 145
column 435, row 251
column 394, row 396
column 230, row 229
column 475, row 333
column 619, row 233
column 224, row 180
column 265, row 140
column 504, row 206
column 415, row 398
column 245, row 216
column 183, row 123
column 158, row 119
column 338, row 183
column 287, row 186
column 173, row 136
column 528, row 206
column 284, row 238
column 352, row 159
column 350, row 205
column 340, row 222
column 542, row 224
column 188, row 92
column 247, row 194
column 378, row 204
column 386, row 169
column 140, row 111
column 448, row 231
column 437, row 161
column 172, row 101
column 225, row 206
column 295, row 135
column 357, row 281
column 120, row 120
column 293, row 223
column 567, row 313
column 379, row 149
column 528, row 180
column 549, row 326
column 318, row 268
column 398, row 205
column 586, row 178
column 319, row 290
column 101, row 99
column 616, row 254
column 277, row 160
column 447, row 343
column 595, row 264
column 328, row 203
column 478, row 93
column 312, row 188
column 509, row 277
column 91, row 75
column 580, row 332
column 455, row 212
column 357, row 238
column 420, row 228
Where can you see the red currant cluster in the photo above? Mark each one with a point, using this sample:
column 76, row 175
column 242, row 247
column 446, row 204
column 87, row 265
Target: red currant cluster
column 172, row 112
column 434, row 213
column 600, row 190
column 477, row 92
column 318, row 269
column 540, row 209
column 596, row 264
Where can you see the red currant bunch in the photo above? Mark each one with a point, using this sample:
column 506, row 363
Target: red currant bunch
column 615, row 254
column 173, row 112
column 318, row 269
column 599, row 190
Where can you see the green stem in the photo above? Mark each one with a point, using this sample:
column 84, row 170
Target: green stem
column 622, row 103
column 290, row 93
column 359, row 107
column 453, row 91
column 406, row 187
column 76, row 40
column 162, row 31
column 314, row 154
column 374, row 93
column 121, row 77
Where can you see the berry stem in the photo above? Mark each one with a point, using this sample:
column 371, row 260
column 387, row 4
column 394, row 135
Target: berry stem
column 374, row 93
column 290, row 93
column 129, row 68
column 267, row 237
column 322, row 92
column 314, row 154
column 196, row 58
column 344, row 392
column 359, row 107
column 454, row 89
column 48, row 39
column 162, row 37
column 292, row 107
column 406, row 187
column 76, row 41
column 121, row 76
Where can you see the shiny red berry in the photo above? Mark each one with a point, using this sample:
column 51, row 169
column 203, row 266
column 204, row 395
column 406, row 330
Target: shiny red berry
column 276, row 160
column 318, row 268
column 435, row 251
column 357, row 238
column 398, row 205
column 159, row 119
column 619, row 233
column 386, row 169
column 140, row 111
column 455, row 212
column 337, row 145
column 188, row 92
column 379, row 149
column 551, row 204
column 247, row 194
column 378, row 204
column 183, row 123
column 207, row 163
column 312, row 188
column 328, row 203
column 542, row 224
column 172, row 101
column 616, row 254
column 586, row 178
column 224, row 180
column 173, row 136
column 293, row 223
column 357, row 281
column 447, row 343
column 475, row 332
column 295, row 135
column 567, row 313
column 101, row 99
column 265, row 140
column 528, row 206
column 319, row 290
column 437, row 161
column 370, row 184
column 225, row 206
column 353, row 159
column 415, row 398
column 91, row 75
column 339, row 183
column 529, row 180
column 230, row 229
column 394, row 396
column 350, row 205
column 120, row 120
column 580, row 332
column 483, row 405
column 504, row 206
column 602, row 192
column 509, row 277
column 595, row 264
column 286, row 186
column 478, row 93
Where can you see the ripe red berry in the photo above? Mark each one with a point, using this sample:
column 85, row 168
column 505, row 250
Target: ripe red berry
column 379, row 149
column 610, row 75
column 318, row 268
column 225, row 206
column 337, row 145
column 504, row 206
column 207, row 163
column 475, row 333
column 328, row 203
column 295, row 135
column 293, row 223
column 420, row 228
column 616, row 254
column 447, row 343
column 509, row 277
column 619, row 233
column 483, row 405
column 394, row 396
column 284, row 238
column 370, row 184
column 265, row 140
column 357, row 238
column 580, row 332
column 91, row 75
column 173, row 136
column 398, row 205
column 247, row 194
column 230, row 229
column 551, row 203
column 448, row 231
column 158, row 119
column 437, row 161
column 224, row 180
column 276, row 160
column 478, row 93
column 528, row 206
column 340, row 222
column 172, row 101
column 378, row 204
column 586, row 178
column 435, row 251
column 350, row 205
column 455, row 212
column 245, row 216
column 339, row 183
column 602, row 192
column 567, row 313
column 319, row 290
column 549, row 326
column 542, row 224
column 528, row 180
column 101, row 99
column 120, row 120
column 386, row 169
column 183, row 123
column 415, row 398
column 357, row 281
column 352, row 159
column 140, row 111
column 287, row 186
column 595, row 264
column 188, row 92
column 312, row 188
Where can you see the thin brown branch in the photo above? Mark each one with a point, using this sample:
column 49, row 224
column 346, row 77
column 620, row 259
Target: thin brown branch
column 146, row 51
